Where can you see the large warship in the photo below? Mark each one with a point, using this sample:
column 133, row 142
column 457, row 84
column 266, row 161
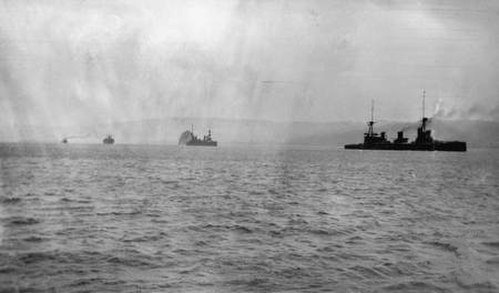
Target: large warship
column 188, row 138
column 424, row 141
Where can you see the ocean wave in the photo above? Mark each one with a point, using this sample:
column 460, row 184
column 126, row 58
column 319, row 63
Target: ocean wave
column 10, row 200
column 485, row 286
column 86, row 282
column 33, row 239
column 240, row 229
column 446, row 246
column 138, row 261
column 8, row 270
column 36, row 257
column 368, row 273
column 494, row 244
column 412, row 286
column 145, row 238
column 493, row 261
column 23, row 221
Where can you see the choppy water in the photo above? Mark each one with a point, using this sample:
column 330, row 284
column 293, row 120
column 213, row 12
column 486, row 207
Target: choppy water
column 96, row 218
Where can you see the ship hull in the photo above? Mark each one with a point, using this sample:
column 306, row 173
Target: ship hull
column 451, row 146
column 202, row 143
column 446, row 146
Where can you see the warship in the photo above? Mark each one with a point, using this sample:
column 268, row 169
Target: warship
column 108, row 140
column 188, row 138
column 423, row 142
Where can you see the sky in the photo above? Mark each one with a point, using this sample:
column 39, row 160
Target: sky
column 76, row 62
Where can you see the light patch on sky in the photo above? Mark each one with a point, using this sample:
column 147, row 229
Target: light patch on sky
column 84, row 62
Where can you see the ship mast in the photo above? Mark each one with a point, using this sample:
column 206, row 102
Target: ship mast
column 424, row 119
column 372, row 110
column 424, row 94
column 370, row 131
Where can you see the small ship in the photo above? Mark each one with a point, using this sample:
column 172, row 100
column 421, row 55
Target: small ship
column 108, row 140
column 64, row 140
column 424, row 141
column 188, row 138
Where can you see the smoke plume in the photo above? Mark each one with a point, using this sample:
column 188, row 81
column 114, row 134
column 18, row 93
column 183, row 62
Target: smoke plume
column 474, row 111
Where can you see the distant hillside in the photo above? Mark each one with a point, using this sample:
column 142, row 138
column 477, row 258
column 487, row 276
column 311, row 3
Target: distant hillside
column 226, row 131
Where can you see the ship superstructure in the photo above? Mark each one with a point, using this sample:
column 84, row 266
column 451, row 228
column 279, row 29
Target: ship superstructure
column 189, row 138
column 108, row 140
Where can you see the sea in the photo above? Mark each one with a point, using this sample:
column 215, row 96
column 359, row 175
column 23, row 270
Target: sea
column 159, row 218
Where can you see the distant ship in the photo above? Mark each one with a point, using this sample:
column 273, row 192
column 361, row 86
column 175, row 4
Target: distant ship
column 108, row 140
column 64, row 140
column 424, row 141
column 188, row 138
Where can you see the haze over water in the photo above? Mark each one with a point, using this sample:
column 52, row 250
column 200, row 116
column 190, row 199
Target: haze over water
column 123, row 218
column 95, row 63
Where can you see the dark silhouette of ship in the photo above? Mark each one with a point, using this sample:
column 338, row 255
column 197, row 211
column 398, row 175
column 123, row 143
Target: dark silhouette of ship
column 64, row 140
column 108, row 140
column 188, row 138
column 424, row 141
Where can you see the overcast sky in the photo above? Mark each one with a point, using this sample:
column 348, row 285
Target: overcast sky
column 79, row 62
